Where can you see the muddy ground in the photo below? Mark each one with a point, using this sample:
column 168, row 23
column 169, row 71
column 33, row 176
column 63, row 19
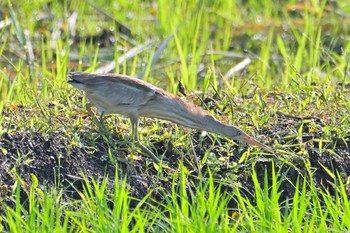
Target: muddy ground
column 58, row 162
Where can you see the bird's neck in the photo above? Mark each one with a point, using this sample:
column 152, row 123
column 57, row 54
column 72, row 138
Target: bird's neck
column 215, row 126
column 194, row 117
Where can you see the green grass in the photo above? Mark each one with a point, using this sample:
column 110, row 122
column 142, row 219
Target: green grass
column 200, row 207
column 299, row 66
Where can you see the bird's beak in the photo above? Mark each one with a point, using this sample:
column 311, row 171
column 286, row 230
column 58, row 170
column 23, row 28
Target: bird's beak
column 251, row 141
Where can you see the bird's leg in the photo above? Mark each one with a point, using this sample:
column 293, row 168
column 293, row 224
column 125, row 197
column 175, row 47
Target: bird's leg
column 100, row 121
column 135, row 128
column 135, row 133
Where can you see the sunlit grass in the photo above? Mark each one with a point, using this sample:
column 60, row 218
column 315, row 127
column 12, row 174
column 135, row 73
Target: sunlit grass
column 203, row 207
column 299, row 65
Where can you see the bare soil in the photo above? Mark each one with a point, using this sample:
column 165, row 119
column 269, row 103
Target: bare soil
column 56, row 162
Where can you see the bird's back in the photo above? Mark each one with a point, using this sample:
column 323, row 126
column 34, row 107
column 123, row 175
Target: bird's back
column 112, row 93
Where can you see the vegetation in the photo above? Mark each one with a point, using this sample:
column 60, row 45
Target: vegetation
column 277, row 70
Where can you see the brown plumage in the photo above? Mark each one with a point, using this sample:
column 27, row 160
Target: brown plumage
column 135, row 98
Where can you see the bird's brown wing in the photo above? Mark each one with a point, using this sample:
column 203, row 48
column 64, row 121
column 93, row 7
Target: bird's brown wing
column 113, row 93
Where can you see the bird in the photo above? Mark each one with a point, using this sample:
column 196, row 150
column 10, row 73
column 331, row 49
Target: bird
column 135, row 98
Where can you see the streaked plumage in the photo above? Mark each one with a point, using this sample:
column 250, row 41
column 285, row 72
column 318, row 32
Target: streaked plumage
column 135, row 98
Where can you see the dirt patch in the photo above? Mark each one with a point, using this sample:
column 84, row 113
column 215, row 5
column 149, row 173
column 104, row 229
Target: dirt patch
column 57, row 162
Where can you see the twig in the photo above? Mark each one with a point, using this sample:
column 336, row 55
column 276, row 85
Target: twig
column 131, row 53
column 240, row 66
column 317, row 119
column 156, row 56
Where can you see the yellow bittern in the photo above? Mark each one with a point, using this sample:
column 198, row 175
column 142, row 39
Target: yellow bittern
column 134, row 98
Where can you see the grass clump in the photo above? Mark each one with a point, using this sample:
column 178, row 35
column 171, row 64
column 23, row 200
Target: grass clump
column 277, row 70
column 191, row 206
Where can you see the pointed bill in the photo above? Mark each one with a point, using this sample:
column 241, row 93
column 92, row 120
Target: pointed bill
column 251, row 141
